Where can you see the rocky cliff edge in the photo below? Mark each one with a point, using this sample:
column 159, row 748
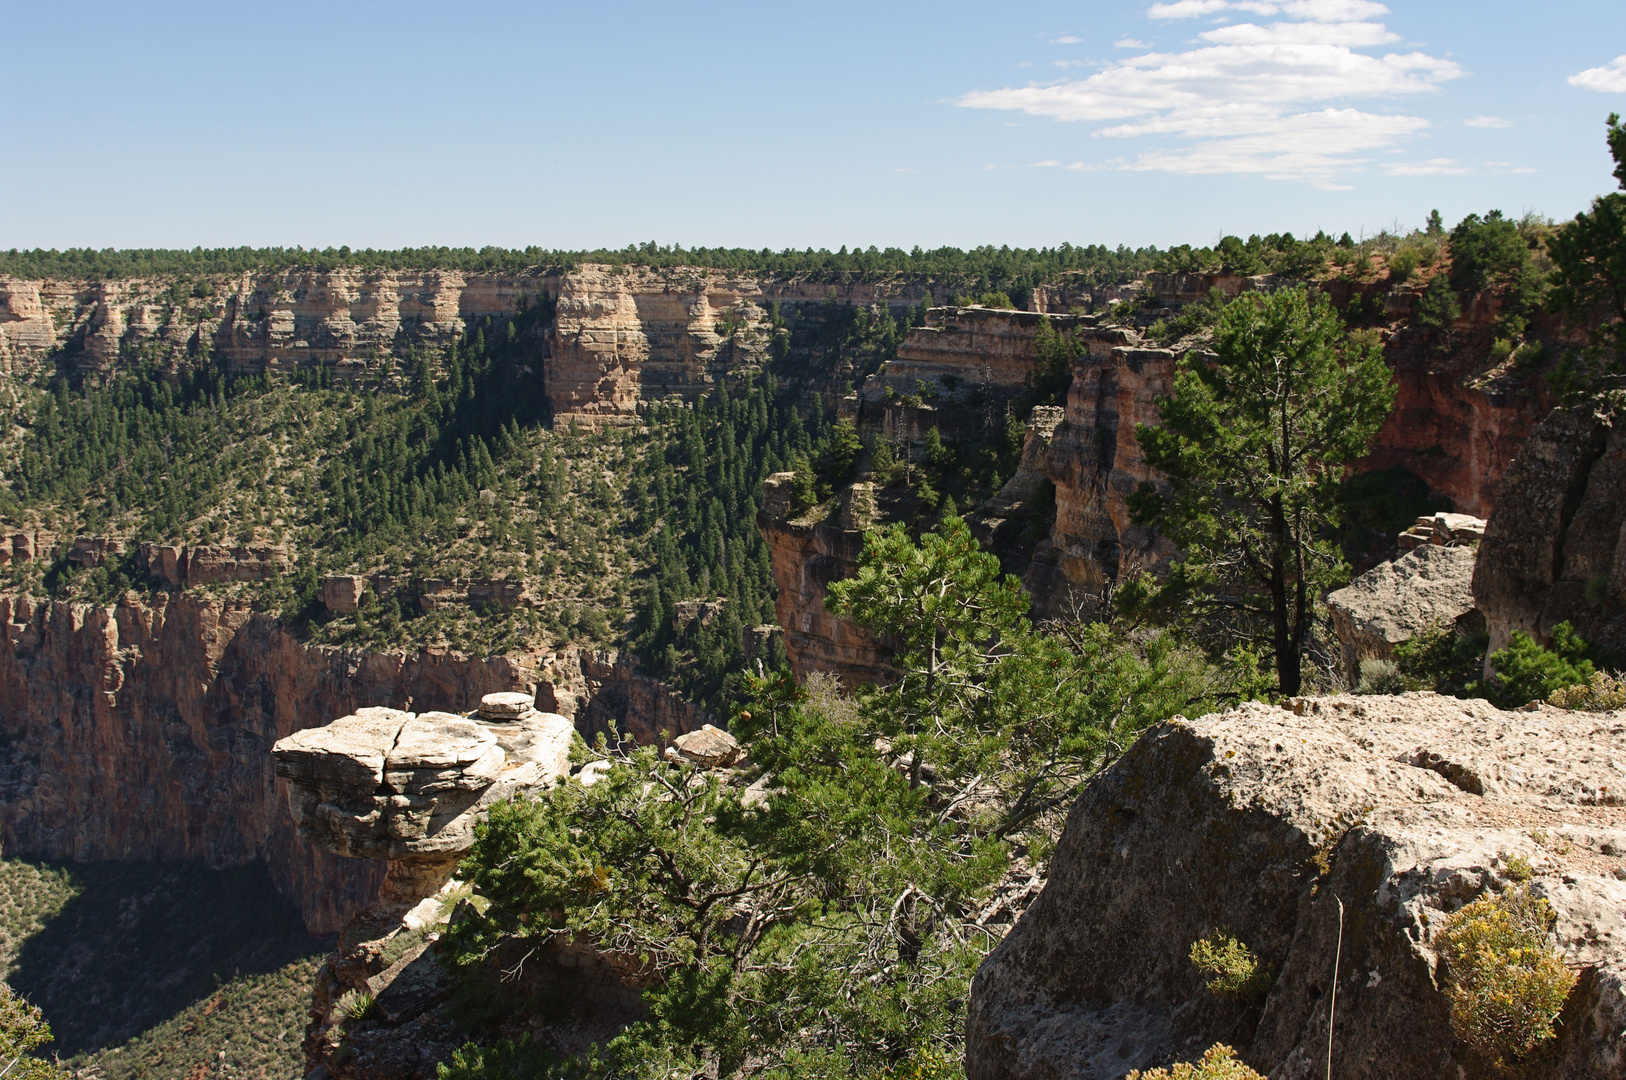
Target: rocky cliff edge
column 1258, row 821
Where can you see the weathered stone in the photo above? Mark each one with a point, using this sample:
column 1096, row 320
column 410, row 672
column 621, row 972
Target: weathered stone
column 710, row 748
column 1391, row 602
column 341, row 593
column 389, row 784
column 506, row 705
column 1259, row 821
column 1553, row 550
column 685, row 612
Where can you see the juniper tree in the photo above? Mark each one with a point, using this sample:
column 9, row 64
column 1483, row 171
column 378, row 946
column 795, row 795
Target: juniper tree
column 1251, row 448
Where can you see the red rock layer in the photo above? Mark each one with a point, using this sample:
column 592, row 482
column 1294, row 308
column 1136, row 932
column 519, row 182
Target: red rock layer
column 144, row 732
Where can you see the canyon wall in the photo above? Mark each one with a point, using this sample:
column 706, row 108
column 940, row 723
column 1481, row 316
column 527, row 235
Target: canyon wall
column 143, row 731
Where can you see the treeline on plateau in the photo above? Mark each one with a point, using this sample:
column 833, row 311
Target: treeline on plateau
column 981, row 267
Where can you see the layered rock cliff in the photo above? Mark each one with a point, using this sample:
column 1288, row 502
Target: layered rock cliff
column 143, row 731
column 1260, row 822
column 1553, row 549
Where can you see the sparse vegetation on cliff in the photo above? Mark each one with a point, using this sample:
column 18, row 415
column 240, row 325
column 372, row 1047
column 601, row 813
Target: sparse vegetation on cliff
column 831, row 927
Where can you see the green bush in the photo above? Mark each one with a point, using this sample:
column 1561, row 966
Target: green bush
column 1380, row 677
column 1504, row 980
column 1525, row 671
column 1441, row 659
column 1232, row 969
column 1602, row 692
column 1219, row 1063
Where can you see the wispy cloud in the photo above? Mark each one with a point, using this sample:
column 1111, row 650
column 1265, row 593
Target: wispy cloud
column 1607, row 79
column 1318, row 10
column 1439, row 166
column 1269, row 96
column 1488, row 122
column 1130, row 43
column 1067, row 39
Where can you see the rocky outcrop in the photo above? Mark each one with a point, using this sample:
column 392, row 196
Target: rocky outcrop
column 206, row 564
column 408, row 788
column 1096, row 464
column 1259, row 821
column 1427, row 587
column 603, row 691
column 143, row 731
column 806, row 556
column 1553, row 550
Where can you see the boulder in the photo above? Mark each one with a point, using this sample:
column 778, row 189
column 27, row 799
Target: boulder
column 1260, row 821
column 387, row 784
column 1389, row 603
column 507, row 705
column 1553, row 550
column 710, row 748
column 341, row 593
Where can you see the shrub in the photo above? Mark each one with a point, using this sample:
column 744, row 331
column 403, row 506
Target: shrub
column 1505, row 982
column 1441, row 659
column 357, row 1004
column 1380, row 677
column 1526, row 671
column 1601, row 692
column 1219, row 1063
column 23, row 1031
column 1233, row 970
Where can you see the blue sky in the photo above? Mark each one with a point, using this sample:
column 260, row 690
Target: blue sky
column 778, row 124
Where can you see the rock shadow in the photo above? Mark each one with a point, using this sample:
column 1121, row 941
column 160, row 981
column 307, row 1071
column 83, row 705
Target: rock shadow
column 141, row 941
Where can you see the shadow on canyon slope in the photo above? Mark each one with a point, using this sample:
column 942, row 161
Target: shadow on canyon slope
column 140, row 942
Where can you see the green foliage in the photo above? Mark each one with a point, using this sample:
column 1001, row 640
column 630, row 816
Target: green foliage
column 23, row 1032
column 1232, row 970
column 1486, row 252
column 1380, row 677
column 981, row 269
column 830, row 929
column 1219, row 1062
column 1505, row 981
column 1602, row 692
column 1438, row 309
column 1278, row 253
column 1054, row 353
column 1439, row 658
column 1193, row 318
column 1526, row 671
column 1253, row 446
column 1589, row 260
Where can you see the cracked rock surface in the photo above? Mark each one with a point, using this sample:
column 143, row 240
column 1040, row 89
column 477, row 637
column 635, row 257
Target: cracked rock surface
column 387, row 784
column 1258, row 821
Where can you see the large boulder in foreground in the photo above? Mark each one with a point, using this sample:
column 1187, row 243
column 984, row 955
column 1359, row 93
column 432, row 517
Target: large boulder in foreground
column 1258, row 821
column 1554, row 549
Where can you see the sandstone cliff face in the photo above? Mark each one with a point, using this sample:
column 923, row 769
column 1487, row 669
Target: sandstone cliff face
column 1096, row 464
column 1415, row 802
column 144, row 732
column 261, row 321
column 627, row 335
column 806, row 557
column 1553, row 548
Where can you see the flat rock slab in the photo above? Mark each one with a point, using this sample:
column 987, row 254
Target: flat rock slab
column 1259, row 820
column 389, row 784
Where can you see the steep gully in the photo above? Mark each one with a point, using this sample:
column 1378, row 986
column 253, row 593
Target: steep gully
column 143, row 730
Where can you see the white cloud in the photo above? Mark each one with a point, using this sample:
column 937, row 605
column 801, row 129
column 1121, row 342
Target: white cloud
column 1352, row 34
column 1316, row 10
column 1488, row 122
column 1439, row 166
column 1608, row 79
column 1130, row 43
column 1187, row 9
column 1045, row 165
column 1067, row 39
column 1268, row 97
